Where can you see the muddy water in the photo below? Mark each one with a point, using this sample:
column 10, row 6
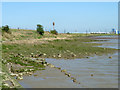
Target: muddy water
column 103, row 69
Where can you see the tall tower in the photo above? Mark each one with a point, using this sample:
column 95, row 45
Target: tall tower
column 53, row 25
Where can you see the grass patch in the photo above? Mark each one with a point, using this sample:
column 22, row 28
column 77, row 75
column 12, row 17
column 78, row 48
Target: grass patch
column 66, row 48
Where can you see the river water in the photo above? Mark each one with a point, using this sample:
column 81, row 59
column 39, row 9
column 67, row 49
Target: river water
column 103, row 69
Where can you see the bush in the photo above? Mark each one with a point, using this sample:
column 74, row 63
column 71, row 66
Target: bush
column 40, row 29
column 5, row 29
column 68, row 33
column 54, row 32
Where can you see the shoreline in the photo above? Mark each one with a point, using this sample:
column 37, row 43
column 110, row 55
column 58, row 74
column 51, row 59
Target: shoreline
column 33, row 55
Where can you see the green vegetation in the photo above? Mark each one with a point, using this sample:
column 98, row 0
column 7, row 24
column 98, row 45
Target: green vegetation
column 68, row 48
column 40, row 29
column 54, row 32
column 22, row 46
column 5, row 29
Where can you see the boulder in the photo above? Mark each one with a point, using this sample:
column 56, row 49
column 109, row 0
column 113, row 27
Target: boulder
column 63, row 70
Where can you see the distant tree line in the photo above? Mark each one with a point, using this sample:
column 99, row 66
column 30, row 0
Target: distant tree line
column 40, row 29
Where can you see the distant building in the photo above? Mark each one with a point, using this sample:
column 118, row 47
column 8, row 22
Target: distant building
column 99, row 33
column 115, row 31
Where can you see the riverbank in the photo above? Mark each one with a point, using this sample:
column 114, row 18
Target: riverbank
column 19, row 49
column 93, row 72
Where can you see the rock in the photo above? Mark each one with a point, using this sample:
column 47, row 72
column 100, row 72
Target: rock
column 6, row 48
column 12, row 74
column 52, row 66
column 43, row 62
column 59, row 55
column 45, row 65
column 63, row 70
column 6, row 84
column 31, row 56
column 30, row 73
column 74, row 80
column 92, row 75
column 31, row 53
column 69, row 75
column 40, row 55
column 44, row 54
column 36, row 56
column 58, row 68
column 35, row 75
column 73, row 55
column 54, row 56
column 42, row 59
column 48, row 64
column 20, row 74
column 67, row 50
column 19, row 77
column 87, row 57
column 31, row 69
column 110, row 57
column 26, row 70
column 66, row 73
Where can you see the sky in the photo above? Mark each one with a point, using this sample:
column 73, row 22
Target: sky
column 68, row 16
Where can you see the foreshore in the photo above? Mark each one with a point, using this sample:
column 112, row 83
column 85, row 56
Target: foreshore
column 25, row 58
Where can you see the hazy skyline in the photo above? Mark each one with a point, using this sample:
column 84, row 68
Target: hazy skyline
column 69, row 16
